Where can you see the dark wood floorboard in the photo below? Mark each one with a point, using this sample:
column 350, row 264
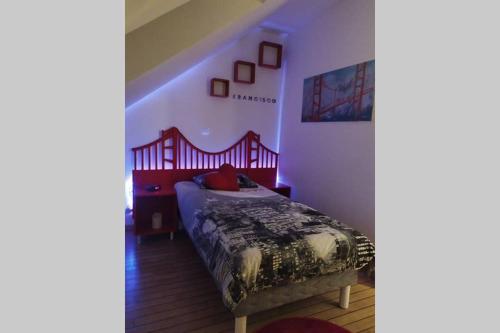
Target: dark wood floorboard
column 168, row 289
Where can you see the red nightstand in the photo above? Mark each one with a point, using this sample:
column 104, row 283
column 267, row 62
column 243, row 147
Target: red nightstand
column 146, row 204
column 282, row 189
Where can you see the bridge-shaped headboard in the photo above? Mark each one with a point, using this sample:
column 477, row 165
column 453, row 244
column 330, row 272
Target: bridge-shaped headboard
column 172, row 158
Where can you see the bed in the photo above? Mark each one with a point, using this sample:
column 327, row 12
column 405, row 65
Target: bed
column 262, row 249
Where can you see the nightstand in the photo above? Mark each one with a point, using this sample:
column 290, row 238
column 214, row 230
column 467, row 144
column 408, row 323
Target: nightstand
column 146, row 204
column 282, row 189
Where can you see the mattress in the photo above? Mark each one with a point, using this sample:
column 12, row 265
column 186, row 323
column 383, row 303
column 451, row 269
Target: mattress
column 255, row 239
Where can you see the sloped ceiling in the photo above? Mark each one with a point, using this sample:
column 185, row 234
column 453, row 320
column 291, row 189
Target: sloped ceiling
column 140, row 12
column 296, row 13
column 179, row 29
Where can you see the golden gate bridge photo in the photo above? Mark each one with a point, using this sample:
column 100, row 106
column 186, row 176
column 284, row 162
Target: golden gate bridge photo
column 344, row 94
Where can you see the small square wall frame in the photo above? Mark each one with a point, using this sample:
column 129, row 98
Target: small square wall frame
column 270, row 50
column 219, row 87
column 244, row 72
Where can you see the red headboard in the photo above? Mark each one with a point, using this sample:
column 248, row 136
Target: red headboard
column 173, row 158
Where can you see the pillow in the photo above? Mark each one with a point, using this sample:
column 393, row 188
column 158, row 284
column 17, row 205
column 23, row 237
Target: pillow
column 245, row 182
column 221, row 181
column 228, row 170
column 225, row 179
column 200, row 180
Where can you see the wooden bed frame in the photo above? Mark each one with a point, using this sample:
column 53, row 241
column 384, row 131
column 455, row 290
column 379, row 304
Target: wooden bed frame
column 173, row 158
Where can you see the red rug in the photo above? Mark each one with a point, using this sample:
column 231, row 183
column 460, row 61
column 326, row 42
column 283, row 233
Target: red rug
column 302, row 325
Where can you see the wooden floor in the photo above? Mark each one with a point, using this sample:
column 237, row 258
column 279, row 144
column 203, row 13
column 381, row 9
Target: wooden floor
column 168, row 289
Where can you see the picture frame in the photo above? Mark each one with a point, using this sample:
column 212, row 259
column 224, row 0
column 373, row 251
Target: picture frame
column 219, row 87
column 244, row 72
column 270, row 55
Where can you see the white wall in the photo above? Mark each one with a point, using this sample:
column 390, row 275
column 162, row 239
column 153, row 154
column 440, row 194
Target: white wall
column 211, row 123
column 331, row 166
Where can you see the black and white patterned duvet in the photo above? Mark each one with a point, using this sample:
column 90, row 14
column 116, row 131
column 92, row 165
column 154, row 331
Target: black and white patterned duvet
column 250, row 244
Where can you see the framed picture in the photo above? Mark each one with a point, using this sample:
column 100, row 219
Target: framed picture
column 270, row 55
column 244, row 72
column 345, row 94
column 219, row 87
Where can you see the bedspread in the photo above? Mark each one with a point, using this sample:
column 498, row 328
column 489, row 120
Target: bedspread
column 253, row 243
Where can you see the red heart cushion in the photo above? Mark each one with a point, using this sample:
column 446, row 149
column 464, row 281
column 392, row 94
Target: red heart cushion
column 223, row 181
column 228, row 170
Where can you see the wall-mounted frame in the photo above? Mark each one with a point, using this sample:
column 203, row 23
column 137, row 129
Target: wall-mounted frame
column 344, row 94
column 219, row 87
column 270, row 55
column 244, row 72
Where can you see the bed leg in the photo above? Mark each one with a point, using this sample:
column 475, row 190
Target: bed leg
column 344, row 297
column 139, row 240
column 240, row 324
column 171, row 236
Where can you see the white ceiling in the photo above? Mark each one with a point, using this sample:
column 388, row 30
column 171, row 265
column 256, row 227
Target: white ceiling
column 295, row 13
